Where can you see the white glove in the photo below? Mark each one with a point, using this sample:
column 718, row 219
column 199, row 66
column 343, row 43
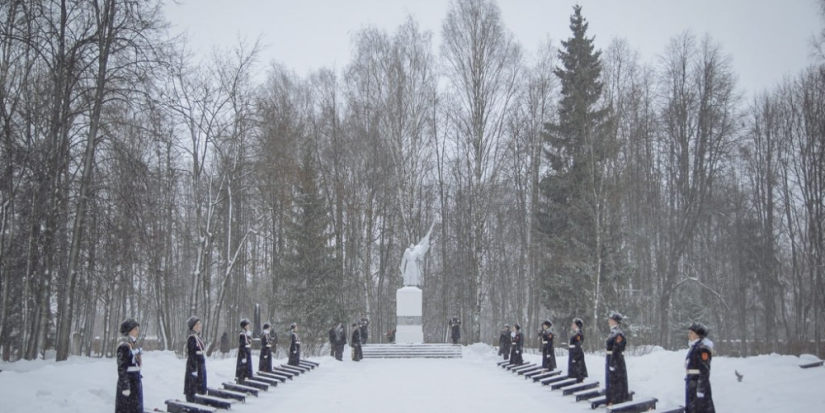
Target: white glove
column 548, row 356
column 243, row 361
column 573, row 361
column 194, row 374
column 294, row 352
column 612, row 369
column 700, row 395
column 266, row 356
column 126, row 393
column 517, row 352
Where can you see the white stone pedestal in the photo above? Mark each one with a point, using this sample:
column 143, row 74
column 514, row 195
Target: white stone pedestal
column 409, row 306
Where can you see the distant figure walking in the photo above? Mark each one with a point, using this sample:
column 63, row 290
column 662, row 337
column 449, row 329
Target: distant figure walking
column 455, row 329
column 355, row 343
column 504, row 342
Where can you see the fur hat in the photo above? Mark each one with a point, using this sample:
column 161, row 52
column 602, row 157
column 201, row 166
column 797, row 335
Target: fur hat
column 578, row 322
column 192, row 321
column 128, row 325
column 266, row 326
column 547, row 323
column 617, row 317
column 699, row 328
column 244, row 323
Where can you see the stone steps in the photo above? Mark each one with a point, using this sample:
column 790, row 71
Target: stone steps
column 395, row 351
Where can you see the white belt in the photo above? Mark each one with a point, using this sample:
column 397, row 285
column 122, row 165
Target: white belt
column 269, row 345
column 133, row 369
column 543, row 342
column 298, row 343
column 693, row 372
column 199, row 353
column 609, row 352
column 248, row 345
column 513, row 343
column 572, row 346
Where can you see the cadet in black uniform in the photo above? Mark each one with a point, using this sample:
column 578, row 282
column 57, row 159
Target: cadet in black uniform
column 548, row 354
column 576, row 367
column 616, row 369
column 455, row 329
column 294, row 346
column 516, row 345
column 265, row 358
column 243, row 367
column 195, row 379
column 504, row 343
column 698, row 397
column 129, row 396
column 357, row 353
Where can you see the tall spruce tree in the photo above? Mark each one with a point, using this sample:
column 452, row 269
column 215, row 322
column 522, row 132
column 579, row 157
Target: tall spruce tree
column 571, row 214
column 311, row 291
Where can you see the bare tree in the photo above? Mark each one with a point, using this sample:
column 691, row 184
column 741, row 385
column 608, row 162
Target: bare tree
column 481, row 62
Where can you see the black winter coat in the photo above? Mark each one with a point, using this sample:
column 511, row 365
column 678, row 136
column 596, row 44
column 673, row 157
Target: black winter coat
column 504, row 344
column 294, row 349
column 698, row 397
column 576, row 367
column 548, row 355
column 128, row 378
column 195, row 379
column 265, row 358
column 243, row 366
column 355, row 343
column 615, row 368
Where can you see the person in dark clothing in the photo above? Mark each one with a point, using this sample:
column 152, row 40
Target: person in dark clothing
column 455, row 329
column 516, row 346
column 340, row 341
column 504, row 343
column 698, row 397
column 333, row 342
column 355, row 342
column 194, row 381
column 243, row 367
column 576, row 367
column 548, row 353
column 615, row 368
column 224, row 344
column 365, row 331
column 129, row 396
column 294, row 346
column 265, row 358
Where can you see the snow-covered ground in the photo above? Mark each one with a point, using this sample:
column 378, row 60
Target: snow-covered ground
column 472, row 384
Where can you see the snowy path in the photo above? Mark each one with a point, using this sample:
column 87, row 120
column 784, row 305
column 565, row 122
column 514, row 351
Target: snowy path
column 414, row 386
column 473, row 384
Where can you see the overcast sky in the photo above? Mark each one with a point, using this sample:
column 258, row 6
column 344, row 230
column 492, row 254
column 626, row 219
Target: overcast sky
column 768, row 39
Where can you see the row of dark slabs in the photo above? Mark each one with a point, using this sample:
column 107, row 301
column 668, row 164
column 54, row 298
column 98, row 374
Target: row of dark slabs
column 588, row 391
column 232, row 393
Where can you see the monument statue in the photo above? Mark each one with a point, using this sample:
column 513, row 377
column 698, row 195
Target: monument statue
column 410, row 269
